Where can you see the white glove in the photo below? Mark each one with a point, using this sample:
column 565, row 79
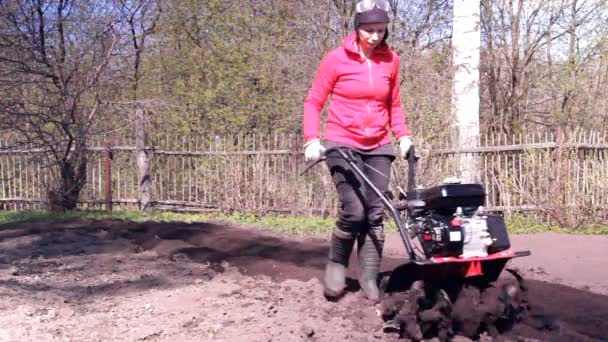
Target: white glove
column 313, row 150
column 404, row 146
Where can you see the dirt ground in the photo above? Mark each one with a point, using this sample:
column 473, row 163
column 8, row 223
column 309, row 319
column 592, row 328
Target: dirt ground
column 111, row 280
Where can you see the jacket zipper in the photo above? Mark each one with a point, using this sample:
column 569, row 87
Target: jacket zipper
column 371, row 87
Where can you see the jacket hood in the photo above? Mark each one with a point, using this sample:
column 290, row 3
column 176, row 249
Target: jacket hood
column 349, row 43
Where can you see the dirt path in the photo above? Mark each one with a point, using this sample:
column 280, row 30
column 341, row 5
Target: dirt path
column 121, row 281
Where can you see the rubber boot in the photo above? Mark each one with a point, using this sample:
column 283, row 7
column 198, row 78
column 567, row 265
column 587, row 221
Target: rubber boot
column 335, row 271
column 370, row 254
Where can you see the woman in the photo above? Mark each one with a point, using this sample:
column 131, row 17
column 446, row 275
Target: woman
column 362, row 77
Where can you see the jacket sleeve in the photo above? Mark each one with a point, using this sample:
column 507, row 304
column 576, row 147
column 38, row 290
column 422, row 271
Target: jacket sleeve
column 321, row 87
column 397, row 117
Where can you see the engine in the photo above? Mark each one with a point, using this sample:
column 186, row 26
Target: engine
column 449, row 221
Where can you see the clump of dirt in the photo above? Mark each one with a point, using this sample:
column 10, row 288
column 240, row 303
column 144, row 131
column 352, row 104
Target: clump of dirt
column 113, row 280
column 469, row 309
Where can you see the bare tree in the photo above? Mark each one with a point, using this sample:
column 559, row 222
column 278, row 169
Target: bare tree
column 575, row 77
column 52, row 60
column 514, row 32
column 536, row 54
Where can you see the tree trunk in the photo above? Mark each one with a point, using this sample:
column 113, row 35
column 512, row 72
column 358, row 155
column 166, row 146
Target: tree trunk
column 65, row 194
column 514, row 107
column 466, row 42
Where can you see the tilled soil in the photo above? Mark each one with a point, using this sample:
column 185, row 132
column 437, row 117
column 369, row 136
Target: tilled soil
column 112, row 280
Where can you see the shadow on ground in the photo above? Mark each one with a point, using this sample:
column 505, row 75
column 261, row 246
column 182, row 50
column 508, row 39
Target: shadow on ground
column 164, row 254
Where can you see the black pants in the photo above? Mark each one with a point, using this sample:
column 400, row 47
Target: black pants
column 360, row 207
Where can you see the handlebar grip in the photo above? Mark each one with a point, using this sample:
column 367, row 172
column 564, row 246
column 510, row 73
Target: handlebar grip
column 411, row 168
column 311, row 165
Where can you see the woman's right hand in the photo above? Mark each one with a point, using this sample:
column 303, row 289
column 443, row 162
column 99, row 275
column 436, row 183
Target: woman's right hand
column 313, row 150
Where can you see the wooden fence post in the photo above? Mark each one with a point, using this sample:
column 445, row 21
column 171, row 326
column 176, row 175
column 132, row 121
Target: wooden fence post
column 143, row 164
column 108, row 175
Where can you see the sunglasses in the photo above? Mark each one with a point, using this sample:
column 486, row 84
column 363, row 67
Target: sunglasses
column 368, row 5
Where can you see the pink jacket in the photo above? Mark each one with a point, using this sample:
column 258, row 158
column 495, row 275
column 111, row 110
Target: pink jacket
column 365, row 97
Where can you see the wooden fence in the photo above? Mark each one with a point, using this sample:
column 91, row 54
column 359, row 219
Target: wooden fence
column 540, row 173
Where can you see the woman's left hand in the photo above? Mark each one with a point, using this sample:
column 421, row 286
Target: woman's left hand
column 405, row 143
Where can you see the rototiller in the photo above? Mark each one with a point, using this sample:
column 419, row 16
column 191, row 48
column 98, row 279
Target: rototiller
column 452, row 247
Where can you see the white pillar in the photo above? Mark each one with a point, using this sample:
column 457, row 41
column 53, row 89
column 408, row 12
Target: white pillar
column 466, row 41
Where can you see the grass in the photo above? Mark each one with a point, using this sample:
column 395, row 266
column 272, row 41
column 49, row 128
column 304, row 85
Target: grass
column 285, row 224
column 519, row 224
column 289, row 225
